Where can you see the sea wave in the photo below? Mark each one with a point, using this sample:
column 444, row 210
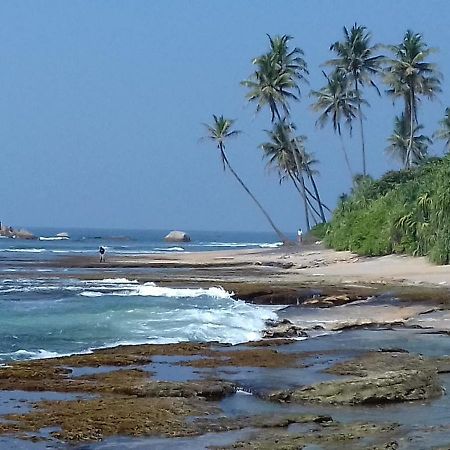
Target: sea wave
column 128, row 289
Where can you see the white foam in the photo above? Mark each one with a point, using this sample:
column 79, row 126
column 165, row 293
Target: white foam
column 152, row 290
column 53, row 238
column 92, row 294
column 170, row 249
column 24, row 250
column 113, row 281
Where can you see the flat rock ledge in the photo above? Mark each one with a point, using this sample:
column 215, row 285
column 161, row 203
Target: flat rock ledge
column 375, row 388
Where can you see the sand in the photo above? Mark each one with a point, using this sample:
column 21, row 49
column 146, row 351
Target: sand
column 288, row 265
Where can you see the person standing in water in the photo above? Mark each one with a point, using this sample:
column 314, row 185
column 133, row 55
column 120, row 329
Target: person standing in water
column 299, row 235
column 102, row 252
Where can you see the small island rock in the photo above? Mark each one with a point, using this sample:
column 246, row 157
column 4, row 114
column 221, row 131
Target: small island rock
column 177, row 236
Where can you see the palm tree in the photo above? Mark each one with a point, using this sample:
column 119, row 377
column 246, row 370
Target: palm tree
column 444, row 132
column 357, row 59
column 278, row 151
column 411, row 77
column 399, row 143
column 275, row 81
column 338, row 103
column 220, row 131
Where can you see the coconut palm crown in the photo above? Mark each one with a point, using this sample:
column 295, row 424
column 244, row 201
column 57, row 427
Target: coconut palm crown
column 360, row 63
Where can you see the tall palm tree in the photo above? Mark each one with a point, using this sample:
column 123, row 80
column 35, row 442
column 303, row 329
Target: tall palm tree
column 337, row 102
column 399, row 143
column 411, row 77
column 444, row 132
column 275, row 81
column 220, row 131
column 360, row 63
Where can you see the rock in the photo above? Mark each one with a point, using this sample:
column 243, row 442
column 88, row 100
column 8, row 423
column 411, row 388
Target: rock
column 332, row 300
column 24, row 234
column 283, row 329
column 63, row 235
column 375, row 388
column 177, row 236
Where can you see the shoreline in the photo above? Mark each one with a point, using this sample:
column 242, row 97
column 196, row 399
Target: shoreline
column 323, row 387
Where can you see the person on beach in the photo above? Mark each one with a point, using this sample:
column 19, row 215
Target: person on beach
column 299, row 235
column 102, row 252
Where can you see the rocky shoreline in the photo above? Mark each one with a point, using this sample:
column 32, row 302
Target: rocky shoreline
column 128, row 399
column 342, row 367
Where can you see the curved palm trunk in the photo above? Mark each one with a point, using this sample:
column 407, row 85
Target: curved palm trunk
column 317, row 197
column 347, row 161
column 361, row 127
column 280, row 235
column 296, row 180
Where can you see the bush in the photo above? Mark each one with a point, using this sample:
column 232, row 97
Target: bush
column 402, row 212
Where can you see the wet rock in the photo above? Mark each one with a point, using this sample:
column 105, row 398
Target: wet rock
column 375, row 388
column 332, row 300
column 210, row 390
column 283, row 329
column 177, row 236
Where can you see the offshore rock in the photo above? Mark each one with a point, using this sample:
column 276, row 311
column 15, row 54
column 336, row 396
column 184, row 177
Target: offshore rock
column 375, row 388
column 177, row 236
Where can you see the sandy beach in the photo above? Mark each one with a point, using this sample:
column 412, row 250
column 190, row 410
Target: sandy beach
column 289, row 265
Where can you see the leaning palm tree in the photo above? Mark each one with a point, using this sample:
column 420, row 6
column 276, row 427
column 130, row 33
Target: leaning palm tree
column 411, row 77
column 338, row 103
column 220, row 131
column 444, row 132
column 278, row 151
column 399, row 143
column 360, row 63
column 275, row 82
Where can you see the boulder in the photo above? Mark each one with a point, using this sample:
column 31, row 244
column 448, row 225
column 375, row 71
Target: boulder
column 177, row 236
column 283, row 329
column 24, row 234
column 375, row 388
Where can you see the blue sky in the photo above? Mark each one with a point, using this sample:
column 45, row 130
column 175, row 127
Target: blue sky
column 101, row 106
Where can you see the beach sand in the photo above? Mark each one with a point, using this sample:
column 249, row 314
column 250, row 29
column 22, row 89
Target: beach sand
column 289, row 265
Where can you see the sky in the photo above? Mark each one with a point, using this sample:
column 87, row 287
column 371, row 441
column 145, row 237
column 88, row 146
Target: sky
column 102, row 104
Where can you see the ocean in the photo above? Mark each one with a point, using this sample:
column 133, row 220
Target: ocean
column 46, row 311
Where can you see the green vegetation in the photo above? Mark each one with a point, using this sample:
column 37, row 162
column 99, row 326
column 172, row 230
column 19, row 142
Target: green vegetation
column 403, row 212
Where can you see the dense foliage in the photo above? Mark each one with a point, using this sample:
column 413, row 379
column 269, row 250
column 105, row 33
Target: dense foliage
column 403, row 212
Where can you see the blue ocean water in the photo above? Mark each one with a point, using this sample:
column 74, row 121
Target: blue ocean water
column 46, row 311
column 117, row 241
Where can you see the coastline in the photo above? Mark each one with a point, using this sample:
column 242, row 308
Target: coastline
column 321, row 390
column 284, row 265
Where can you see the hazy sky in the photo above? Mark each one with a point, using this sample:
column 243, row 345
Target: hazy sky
column 101, row 106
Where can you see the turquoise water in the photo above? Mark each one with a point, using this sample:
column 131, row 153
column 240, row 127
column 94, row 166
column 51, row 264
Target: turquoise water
column 45, row 312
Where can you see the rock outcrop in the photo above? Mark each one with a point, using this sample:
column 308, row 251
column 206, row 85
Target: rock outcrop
column 177, row 236
column 376, row 388
column 10, row 232
column 283, row 329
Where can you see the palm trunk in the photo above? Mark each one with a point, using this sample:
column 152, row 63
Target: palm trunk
column 363, row 144
column 306, row 194
column 302, row 184
column 317, row 196
column 280, row 235
column 346, row 156
column 411, row 129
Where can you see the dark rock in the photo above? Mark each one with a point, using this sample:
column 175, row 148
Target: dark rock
column 284, row 329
